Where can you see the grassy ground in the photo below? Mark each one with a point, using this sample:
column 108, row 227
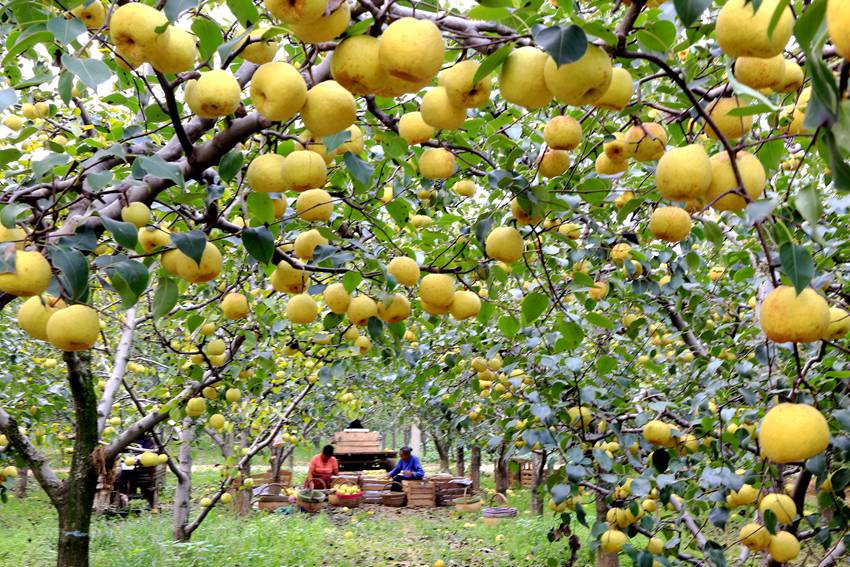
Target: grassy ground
column 373, row 535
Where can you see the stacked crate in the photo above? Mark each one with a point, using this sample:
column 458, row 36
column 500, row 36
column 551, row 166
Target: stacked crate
column 357, row 441
column 372, row 488
column 446, row 490
column 420, row 493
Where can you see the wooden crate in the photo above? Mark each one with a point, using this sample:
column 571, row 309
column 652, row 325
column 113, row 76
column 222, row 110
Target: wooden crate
column 446, row 490
column 357, row 441
column 420, row 493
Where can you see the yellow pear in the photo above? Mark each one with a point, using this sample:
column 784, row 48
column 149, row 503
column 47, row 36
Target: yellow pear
column 337, row 298
column 151, row 238
column 394, row 309
column 754, row 536
column 259, row 50
column 791, row 433
column 672, row 224
column 838, row 25
column 360, row 309
column 306, row 242
column 74, row 328
column 647, row 141
column 522, row 217
column 607, row 166
column 216, row 93
column 683, row 173
column 418, row 221
column 35, row 312
column 437, row 290
column 618, row 149
column 234, row 306
column 613, row 541
column 265, row 174
column 174, row 51
column 13, row 122
column 522, row 81
column 784, row 547
column 31, row 277
column 17, row 235
column 781, row 505
column 301, row 309
column 788, row 317
column 412, row 49
column 137, row 214
column 437, row 163
column 354, row 144
column 839, row 324
column 413, row 129
column 196, row 407
column 457, row 80
column 278, row 91
column 744, row 32
column 465, row 305
column 505, row 244
column 619, row 92
column 303, row 169
column 732, row 127
column 562, row 133
column 581, row 82
column 723, row 180
column 657, row 432
column 438, row 111
column 759, row 73
column 132, row 28
column 92, row 15
column 356, row 65
column 553, row 163
column 325, row 28
column 464, row 188
column 297, row 11
column 792, row 77
column 207, row 270
column 314, row 205
column 329, row 109
column 405, row 270
column 288, row 279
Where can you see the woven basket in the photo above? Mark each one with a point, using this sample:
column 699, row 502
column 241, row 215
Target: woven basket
column 350, row 500
column 467, row 504
column 492, row 515
column 393, row 499
column 271, row 502
column 311, row 500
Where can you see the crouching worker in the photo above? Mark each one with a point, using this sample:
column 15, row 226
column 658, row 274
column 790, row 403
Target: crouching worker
column 322, row 467
column 407, row 468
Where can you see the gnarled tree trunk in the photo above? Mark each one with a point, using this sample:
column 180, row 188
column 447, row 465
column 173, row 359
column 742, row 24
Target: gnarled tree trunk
column 500, row 471
column 460, row 465
column 475, row 467
column 79, row 488
column 21, row 485
column 604, row 559
column 443, row 452
column 183, row 490
column 538, row 470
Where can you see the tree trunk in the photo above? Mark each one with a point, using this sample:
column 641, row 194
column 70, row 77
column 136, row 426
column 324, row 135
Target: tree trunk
column 604, row 559
column 183, row 490
column 475, row 467
column 277, row 462
column 443, row 451
column 79, row 488
column 21, row 485
column 406, row 436
column 500, row 471
column 538, row 475
column 243, row 497
column 415, row 439
column 460, row 465
column 394, row 446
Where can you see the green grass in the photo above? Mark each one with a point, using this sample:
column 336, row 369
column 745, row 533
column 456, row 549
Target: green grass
column 388, row 537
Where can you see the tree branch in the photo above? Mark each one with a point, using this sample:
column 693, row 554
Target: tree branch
column 34, row 458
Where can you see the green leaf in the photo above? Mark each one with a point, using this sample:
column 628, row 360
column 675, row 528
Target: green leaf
column 261, row 208
column 809, row 23
column 91, row 72
column 124, row 233
column 689, row 11
column 173, row 8
column 334, row 141
column 742, row 89
column 508, row 325
column 191, row 243
column 351, row 280
column 66, row 86
column 837, row 165
column 259, row 243
column 808, row 204
column 8, row 155
column 797, row 264
column 492, row 62
column 41, row 168
column 10, row 214
column 158, row 167
column 358, row 169
column 130, row 279
column 599, row 320
column 73, row 271
column 375, row 327
column 776, row 16
column 564, row 45
column 209, row 36
column 571, row 335
column 165, row 297
column 245, row 11
column 230, row 164
column 712, row 232
column 65, row 30
column 533, row 306
column 750, row 110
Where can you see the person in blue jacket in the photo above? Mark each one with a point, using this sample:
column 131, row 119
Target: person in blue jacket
column 407, row 468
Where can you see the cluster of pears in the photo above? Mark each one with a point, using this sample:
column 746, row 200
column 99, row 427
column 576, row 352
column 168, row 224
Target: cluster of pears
column 491, row 380
column 141, row 33
column 30, row 111
column 787, row 316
